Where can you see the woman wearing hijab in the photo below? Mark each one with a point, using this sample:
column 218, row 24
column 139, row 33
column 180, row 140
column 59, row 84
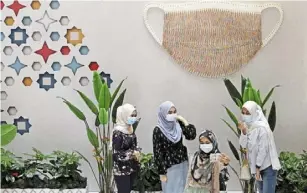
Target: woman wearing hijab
column 204, row 173
column 170, row 154
column 257, row 138
column 125, row 150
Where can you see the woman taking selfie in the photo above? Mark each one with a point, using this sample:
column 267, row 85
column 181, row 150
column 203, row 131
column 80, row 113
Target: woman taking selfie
column 257, row 138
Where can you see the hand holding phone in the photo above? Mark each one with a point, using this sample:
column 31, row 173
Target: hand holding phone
column 214, row 157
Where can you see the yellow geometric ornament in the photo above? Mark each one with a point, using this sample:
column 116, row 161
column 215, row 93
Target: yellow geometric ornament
column 74, row 36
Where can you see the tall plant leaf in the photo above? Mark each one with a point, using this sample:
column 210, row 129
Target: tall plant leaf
column 272, row 116
column 104, row 97
column 243, row 84
column 259, row 96
column 119, row 102
column 103, row 116
column 97, row 84
column 231, row 127
column 232, row 90
column 234, row 150
column 8, row 133
column 135, row 125
column 116, row 91
column 92, row 137
column 88, row 102
column 74, row 109
column 269, row 95
column 256, row 97
column 240, row 104
column 83, row 157
column 232, row 116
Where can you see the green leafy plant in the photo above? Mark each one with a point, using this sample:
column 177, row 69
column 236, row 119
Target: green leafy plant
column 104, row 108
column 148, row 178
column 8, row 133
column 292, row 178
column 58, row 170
column 248, row 93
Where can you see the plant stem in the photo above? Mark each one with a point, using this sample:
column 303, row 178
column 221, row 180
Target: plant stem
column 237, row 176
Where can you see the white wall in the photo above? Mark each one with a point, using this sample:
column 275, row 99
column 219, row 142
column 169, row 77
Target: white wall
column 119, row 41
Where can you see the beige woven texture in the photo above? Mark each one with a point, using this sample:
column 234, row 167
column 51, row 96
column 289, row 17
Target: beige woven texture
column 212, row 43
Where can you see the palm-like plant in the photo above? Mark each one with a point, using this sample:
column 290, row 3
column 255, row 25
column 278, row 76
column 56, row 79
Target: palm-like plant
column 99, row 138
column 248, row 93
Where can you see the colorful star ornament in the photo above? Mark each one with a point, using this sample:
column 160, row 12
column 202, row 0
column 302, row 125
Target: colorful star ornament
column 46, row 21
column 18, row 36
column 46, row 81
column 23, row 125
column 45, row 52
column 74, row 65
column 1, row 5
column 17, row 66
column 107, row 78
column 74, row 36
column 16, row 7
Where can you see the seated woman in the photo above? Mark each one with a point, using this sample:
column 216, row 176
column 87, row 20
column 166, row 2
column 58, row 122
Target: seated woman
column 204, row 174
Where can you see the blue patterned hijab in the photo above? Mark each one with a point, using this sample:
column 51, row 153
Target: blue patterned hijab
column 171, row 129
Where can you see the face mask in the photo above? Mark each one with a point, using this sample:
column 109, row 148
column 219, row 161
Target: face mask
column 219, row 38
column 131, row 120
column 171, row 117
column 247, row 118
column 207, row 148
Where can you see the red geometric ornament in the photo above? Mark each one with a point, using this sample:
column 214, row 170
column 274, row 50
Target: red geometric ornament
column 93, row 66
column 1, row 5
column 45, row 52
column 16, row 7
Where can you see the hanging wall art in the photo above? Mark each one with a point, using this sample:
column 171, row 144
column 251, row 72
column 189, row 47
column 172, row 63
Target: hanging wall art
column 212, row 39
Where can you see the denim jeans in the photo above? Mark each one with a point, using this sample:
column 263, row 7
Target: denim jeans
column 176, row 178
column 268, row 183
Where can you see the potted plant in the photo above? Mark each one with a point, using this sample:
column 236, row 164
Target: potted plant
column 148, row 179
column 57, row 172
column 248, row 93
column 104, row 109
column 292, row 178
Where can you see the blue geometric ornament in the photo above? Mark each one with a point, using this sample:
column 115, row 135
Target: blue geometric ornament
column 18, row 36
column 17, row 66
column 23, row 125
column 46, row 81
column 107, row 78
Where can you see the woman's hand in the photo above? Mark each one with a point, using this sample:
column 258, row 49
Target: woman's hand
column 258, row 176
column 183, row 120
column 224, row 159
column 163, row 178
column 242, row 127
column 136, row 155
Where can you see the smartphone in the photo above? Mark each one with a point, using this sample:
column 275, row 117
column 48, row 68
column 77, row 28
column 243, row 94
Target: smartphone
column 214, row 157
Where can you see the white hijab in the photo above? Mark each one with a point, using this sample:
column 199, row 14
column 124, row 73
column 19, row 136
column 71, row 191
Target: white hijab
column 259, row 120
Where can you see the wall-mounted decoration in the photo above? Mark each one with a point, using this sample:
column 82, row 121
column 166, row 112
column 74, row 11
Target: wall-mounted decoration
column 12, row 111
column 37, row 36
column 3, row 95
column 9, row 81
column 55, row 36
column 8, row 50
column 74, row 36
column 36, row 66
column 93, row 66
column 54, row 4
column 46, row 81
column 35, row 5
column 2, row 36
column 18, row 36
column 66, row 81
column 56, row 66
column 26, row 21
column 46, row 21
column 26, row 50
column 27, row 81
column 23, row 125
column 9, row 21
column 65, row 50
column 107, row 78
column 45, row 52
column 64, row 21
column 2, row 66
column 84, row 81
column 84, row 50
column 16, row 7
column 1, row 5
column 74, row 65
column 219, row 37
column 17, row 66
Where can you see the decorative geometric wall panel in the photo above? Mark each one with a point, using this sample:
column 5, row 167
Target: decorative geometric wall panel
column 45, row 52
column 84, row 50
column 64, row 21
column 54, row 36
column 36, row 66
column 46, row 81
column 54, row 4
column 65, row 50
column 9, row 21
column 84, row 81
column 18, row 36
column 3, row 95
column 74, row 36
column 36, row 36
column 17, row 66
column 27, row 50
column 74, row 65
column 16, row 7
column 46, row 21
column 35, row 4
column 2, row 66
column 8, row 50
column 93, row 66
column 23, row 125
column 66, row 81
column 9, row 81
column 12, row 111
column 27, row 81
column 26, row 21
column 1, row 5
column 2, row 36
column 107, row 78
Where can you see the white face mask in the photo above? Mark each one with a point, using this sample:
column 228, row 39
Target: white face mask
column 247, row 118
column 207, row 148
column 171, row 117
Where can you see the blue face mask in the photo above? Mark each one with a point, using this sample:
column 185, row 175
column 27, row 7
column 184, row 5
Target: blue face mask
column 131, row 120
column 247, row 118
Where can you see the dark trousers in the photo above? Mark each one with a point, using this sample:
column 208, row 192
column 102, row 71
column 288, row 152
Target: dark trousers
column 124, row 183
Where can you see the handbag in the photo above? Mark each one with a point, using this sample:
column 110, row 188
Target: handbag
column 245, row 173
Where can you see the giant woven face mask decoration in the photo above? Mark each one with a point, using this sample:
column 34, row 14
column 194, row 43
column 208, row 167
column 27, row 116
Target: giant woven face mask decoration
column 212, row 39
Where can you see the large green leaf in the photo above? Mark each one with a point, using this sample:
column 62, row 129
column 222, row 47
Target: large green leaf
column 243, row 84
column 116, row 91
column 104, row 97
column 92, row 137
column 74, row 109
column 231, row 127
column 135, row 125
column 234, row 150
column 256, row 97
column 118, row 102
column 88, row 102
column 103, row 116
column 272, row 116
column 269, row 95
column 232, row 116
column 232, row 90
column 97, row 84
column 8, row 133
